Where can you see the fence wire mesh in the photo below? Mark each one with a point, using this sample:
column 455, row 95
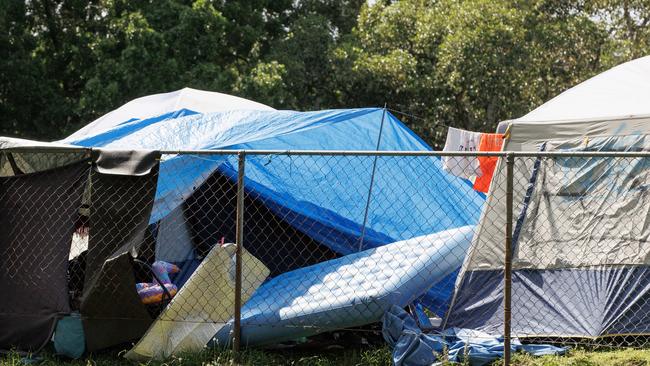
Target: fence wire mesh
column 580, row 254
column 330, row 241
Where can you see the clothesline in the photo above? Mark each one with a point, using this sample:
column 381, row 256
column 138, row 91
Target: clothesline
column 478, row 170
column 436, row 124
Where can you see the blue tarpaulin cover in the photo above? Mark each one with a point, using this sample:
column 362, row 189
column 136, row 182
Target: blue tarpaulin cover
column 320, row 190
column 322, row 196
column 413, row 347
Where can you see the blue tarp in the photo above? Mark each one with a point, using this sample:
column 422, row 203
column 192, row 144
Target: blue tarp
column 413, row 347
column 322, row 196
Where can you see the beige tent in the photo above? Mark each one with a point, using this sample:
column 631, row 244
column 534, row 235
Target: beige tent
column 581, row 257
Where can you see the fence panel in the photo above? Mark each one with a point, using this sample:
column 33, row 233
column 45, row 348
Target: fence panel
column 242, row 249
column 342, row 244
column 580, row 251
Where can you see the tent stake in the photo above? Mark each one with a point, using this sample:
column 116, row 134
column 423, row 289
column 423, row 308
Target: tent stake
column 507, row 275
column 241, row 155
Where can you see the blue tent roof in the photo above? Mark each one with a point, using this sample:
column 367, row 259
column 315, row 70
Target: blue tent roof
column 322, row 196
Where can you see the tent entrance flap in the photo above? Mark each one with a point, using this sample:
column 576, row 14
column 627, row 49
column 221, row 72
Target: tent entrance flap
column 42, row 207
column 123, row 186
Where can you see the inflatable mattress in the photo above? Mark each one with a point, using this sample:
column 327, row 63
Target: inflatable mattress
column 349, row 291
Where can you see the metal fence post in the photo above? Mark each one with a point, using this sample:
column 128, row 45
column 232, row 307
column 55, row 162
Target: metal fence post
column 241, row 155
column 507, row 276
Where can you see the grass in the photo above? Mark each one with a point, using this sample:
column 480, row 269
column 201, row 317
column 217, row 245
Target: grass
column 351, row 357
column 622, row 357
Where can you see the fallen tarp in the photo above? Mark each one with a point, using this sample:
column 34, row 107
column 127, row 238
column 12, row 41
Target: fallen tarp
column 192, row 318
column 350, row 291
column 412, row 347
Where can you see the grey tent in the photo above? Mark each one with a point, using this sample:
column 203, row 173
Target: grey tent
column 580, row 248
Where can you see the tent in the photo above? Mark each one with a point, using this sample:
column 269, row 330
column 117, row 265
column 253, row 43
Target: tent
column 300, row 209
column 307, row 199
column 580, row 250
column 188, row 99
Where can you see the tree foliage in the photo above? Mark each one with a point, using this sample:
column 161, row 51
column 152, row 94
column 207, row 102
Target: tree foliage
column 468, row 63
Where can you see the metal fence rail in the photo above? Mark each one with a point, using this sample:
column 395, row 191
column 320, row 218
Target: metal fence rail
column 247, row 248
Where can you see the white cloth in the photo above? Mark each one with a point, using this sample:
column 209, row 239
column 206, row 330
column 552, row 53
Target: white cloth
column 462, row 166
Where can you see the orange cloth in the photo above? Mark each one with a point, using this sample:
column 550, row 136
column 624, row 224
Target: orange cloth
column 489, row 142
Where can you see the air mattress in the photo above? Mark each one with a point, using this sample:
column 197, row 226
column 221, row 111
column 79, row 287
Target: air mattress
column 349, row 291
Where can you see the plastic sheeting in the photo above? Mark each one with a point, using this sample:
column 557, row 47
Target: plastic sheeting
column 413, row 347
column 313, row 198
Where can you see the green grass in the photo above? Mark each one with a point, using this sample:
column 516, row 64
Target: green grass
column 623, row 357
column 352, row 357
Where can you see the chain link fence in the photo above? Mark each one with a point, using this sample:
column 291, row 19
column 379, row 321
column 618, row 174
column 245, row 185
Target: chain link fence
column 580, row 249
column 556, row 251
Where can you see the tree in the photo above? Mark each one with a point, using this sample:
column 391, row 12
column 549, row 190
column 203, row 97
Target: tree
column 41, row 47
column 468, row 63
column 298, row 71
column 66, row 62
column 465, row 63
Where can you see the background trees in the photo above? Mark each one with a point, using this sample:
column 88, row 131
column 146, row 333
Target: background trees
column 465, row 63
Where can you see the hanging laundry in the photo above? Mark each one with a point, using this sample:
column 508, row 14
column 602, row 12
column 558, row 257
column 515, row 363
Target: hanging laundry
column 489, row 142
column 462, row 166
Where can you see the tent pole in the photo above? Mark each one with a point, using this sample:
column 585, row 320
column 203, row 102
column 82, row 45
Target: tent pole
column 507, row 275
column 372, row 180
column 241, row 155
column 13, row 164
